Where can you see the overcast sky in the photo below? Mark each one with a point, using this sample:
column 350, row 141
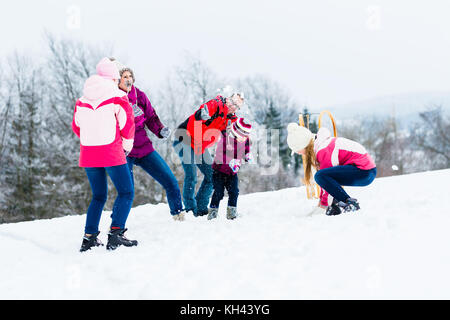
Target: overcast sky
column 325, row 52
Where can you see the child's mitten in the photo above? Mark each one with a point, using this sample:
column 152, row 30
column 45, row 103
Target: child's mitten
column 235, row 164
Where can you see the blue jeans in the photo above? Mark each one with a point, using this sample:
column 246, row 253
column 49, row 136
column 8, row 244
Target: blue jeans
column 222, row 181
column 190, row 162
column 156, row 167
column 120, row 176
column 332, row 179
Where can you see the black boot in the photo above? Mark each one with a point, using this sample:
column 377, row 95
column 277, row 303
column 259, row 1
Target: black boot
column 116, row 238
column 201, row 213
column 333, row 209
column 350, row 204
column 90, row 241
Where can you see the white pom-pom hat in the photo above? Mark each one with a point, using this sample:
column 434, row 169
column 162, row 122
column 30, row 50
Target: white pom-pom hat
column 107, row 69
column 298, row 137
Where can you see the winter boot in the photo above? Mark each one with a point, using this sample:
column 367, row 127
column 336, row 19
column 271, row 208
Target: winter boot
column 116, row 238
column 231, row 213
column 350, row 204
column 333, row 209
column 201, row 213
column 90, row 241
column 212, row 213
column 179, row 216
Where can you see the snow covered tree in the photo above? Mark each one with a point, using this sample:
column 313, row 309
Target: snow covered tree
column 269, row 107
column 200, row 80
column 23, row 171
column 381, row 137
column 430, row 136
column 272, row 106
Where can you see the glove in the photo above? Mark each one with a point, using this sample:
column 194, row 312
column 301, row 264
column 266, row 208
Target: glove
column 317, row 211
column 165, row 132
column 204, row 114
column 249, row 158
column 127, row 144
column 235, row 164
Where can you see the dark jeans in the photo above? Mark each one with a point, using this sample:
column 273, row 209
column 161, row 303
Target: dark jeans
column 332, row 179
column 156, row 167
column 222, row 181
column 190, row 163
column 120, row 176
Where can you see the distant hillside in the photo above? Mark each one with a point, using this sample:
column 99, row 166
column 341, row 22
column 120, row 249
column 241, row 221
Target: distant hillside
column 405, row 106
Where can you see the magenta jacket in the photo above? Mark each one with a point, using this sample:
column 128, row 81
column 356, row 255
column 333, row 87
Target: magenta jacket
column 144, row 115
column 227, row 149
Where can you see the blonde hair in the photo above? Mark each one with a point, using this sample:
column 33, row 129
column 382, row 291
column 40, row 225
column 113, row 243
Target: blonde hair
column 310, row 162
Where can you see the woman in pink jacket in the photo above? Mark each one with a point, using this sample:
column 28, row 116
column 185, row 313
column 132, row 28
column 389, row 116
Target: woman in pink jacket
column 104, row 122
column 337, row 161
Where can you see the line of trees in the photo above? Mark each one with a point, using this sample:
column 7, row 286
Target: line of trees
column 39, row 173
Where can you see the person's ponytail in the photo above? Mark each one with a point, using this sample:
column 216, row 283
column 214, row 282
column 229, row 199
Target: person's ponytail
column 311, row 165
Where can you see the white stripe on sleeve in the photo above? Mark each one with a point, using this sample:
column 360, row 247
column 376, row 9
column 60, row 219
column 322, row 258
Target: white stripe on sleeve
column 121, row 116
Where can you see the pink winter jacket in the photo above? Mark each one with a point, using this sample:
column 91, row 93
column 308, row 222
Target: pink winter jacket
column 331, row 151
column 103, row 120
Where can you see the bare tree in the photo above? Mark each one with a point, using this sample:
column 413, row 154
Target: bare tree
column 184, row 90
column 201, row 81
column 385, row 142
column 431, row 137
column 270, row 107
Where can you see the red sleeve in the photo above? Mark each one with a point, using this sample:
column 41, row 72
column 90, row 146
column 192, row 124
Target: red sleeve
column 323, row 197
column 215, row 106
column 75, row 127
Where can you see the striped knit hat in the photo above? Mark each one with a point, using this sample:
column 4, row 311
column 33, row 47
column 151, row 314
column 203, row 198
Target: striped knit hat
column 241, row 129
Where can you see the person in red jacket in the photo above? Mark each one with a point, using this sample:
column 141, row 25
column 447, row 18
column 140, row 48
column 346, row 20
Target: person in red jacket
column 193, row 137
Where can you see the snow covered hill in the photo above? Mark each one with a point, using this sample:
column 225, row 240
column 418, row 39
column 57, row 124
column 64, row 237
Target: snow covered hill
column 395, row 247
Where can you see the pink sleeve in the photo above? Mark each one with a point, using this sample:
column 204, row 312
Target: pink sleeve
column 125, row 119
column 323, row 197
column 75, row 126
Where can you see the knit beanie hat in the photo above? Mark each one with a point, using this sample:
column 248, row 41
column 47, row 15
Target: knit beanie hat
column 107, row 69
column 119, row 65
column 241, row 129
column 298, row 137
column 122, row 68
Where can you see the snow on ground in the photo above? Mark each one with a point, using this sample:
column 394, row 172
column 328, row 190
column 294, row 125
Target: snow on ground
column 395, row 247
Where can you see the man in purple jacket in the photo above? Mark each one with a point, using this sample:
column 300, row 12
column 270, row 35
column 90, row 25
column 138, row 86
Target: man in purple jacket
column 143, row 154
